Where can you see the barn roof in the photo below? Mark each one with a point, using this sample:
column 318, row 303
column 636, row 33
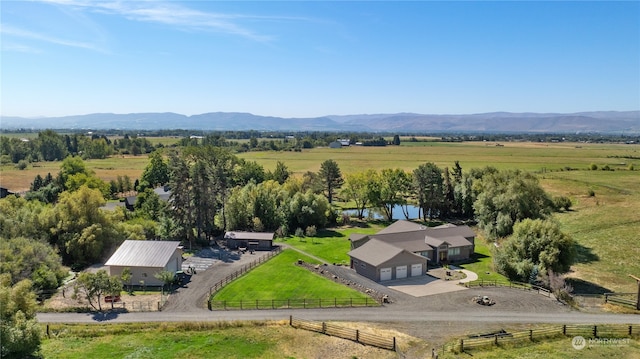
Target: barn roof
column 249, row 235
column 143, row 254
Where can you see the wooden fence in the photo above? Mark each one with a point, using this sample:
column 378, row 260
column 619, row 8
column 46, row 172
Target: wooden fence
column 309, row 303
column 138, row 306
column 624, row 299
column 515, row 285
column 587, row 331
column 345, row 333
column 243, row 270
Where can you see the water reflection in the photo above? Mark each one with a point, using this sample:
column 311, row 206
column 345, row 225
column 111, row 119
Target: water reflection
column 398, row 212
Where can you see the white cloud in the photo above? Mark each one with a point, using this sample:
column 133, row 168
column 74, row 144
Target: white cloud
column 26, row 34
column 175, row 15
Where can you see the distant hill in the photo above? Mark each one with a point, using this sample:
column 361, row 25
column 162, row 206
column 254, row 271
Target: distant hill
column 627, row 122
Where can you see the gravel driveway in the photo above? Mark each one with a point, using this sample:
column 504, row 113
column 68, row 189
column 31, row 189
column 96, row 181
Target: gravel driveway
column 219, row 263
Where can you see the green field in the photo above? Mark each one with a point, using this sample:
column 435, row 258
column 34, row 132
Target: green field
column 331, row 245
column 408, row 156
column 280, row 278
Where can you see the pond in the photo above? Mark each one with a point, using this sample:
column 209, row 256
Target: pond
column 376, row 213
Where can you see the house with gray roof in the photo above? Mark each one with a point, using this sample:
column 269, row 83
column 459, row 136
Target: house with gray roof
column 435, row 245
column 146, row 258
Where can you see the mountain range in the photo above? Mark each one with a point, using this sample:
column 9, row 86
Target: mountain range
column 624, row 122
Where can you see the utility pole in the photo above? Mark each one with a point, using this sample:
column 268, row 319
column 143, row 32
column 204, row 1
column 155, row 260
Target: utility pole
column 638, row 296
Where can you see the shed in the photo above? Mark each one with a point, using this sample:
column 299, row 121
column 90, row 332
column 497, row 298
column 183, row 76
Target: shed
column 250, row 240
column 146, row 258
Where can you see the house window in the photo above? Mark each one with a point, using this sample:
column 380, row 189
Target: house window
column 363, row 265
column 454, row 251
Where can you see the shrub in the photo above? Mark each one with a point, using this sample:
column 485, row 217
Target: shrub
column 311, row 231
column 593, row 167
column 591, row 193
column 630, row 168
column 562, row 202
column 22, row 165
column 282, row 231
column 299, row 232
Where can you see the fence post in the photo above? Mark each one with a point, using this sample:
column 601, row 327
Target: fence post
column 495, row 340
column 630, row 330
column 324, row 328
column 531, row 334
column 394, row 343
column 462, row 345
column 357, row 336
column 606, row 298
column 291, row 320
column 564, row 329
column 48, row 336
column 595, row 331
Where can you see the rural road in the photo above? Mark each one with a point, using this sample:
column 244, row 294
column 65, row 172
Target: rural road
column 385, row 314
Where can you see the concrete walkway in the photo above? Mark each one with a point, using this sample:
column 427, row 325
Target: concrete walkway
column 428, row 285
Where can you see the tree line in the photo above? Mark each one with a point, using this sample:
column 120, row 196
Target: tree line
column 51, row 146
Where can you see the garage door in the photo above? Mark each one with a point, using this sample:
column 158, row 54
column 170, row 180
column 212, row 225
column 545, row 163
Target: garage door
column 401, row 272
column 416, row 270
column 385, row 274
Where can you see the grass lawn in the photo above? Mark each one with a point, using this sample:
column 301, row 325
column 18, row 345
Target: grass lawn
column 482, row 263
column 332, row 245
column 281, row 278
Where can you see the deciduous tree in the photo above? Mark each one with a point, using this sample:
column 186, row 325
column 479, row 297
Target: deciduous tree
column 20, row 334
column 535, row 244
column 157, row 170
column 360, row 187
column 94, row 286
column 507, row 197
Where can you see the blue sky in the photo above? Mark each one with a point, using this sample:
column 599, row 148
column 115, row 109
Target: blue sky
column 306, row 59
